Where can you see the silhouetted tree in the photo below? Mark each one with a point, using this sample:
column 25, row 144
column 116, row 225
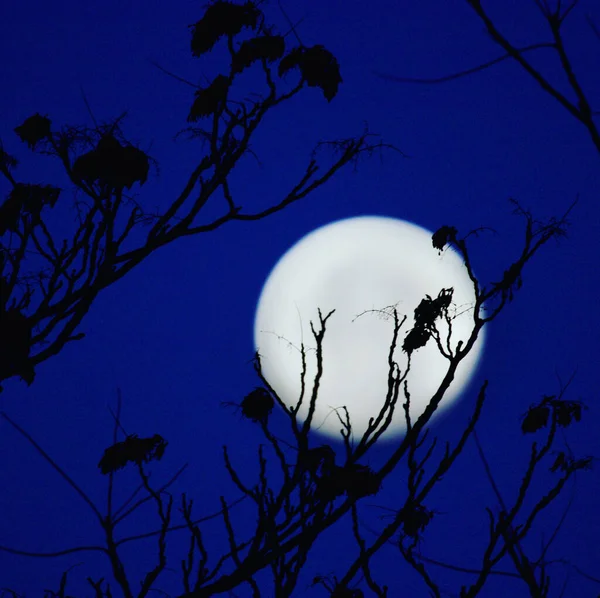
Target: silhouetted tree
column 103, row 166
column 312, row 492
column 545, row 414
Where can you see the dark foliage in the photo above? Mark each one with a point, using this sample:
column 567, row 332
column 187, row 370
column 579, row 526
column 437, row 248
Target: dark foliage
column 443, row 236
column 511, row 281
column 264, row 47
column 535, row 419
column 563, row 413
column 3, row 281
column 112, row 164
column 132, row 166
column 35, row 129
column 10, row 211
column 285, row 532
column 318, row 67
column 566, row 463
column 257, row 405
column 4, row 288
column 15, row 344
column 355, row 481
column 222, row 18
column 415, row 339
column 426, row 313
column 132, row 450
column 415, row 518
column 210, row 99
column 318, row 460
column 25, row 199
column 7, row 163
column 429, row 310
column 567, row 411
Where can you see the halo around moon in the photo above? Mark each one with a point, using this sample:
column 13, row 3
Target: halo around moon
column 361, row 267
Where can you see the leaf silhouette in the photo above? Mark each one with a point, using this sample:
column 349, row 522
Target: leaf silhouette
column 132, row 450
column 15, row 345
column 34, row 129
column 113, row 164
column 210, row 99
column 318, row 67
column 257, row 405
column 426, row 313
column 25, row 199
column 222, row 18
column 443, row 236
column 267, row 47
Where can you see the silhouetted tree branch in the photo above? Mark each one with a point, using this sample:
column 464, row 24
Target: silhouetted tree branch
column 302, row 490
column 313, row 491
column 555, row 15
column 102, row 166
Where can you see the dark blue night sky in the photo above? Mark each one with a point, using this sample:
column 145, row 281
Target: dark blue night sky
column 174, row 337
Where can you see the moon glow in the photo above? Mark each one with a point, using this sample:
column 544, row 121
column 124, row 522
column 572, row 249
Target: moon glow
column 354, row 266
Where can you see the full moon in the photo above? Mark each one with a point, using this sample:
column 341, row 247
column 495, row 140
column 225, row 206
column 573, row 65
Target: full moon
column 361, row 267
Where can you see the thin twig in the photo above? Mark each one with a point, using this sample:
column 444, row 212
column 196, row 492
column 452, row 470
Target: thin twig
column 54, row 465
column 459, row 74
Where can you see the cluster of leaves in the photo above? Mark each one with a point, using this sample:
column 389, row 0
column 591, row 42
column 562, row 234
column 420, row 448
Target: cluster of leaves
column 112, row 164
column 222, row 19
column 443, row 236
column 317, row 66
column 264, row 47
column 15, row 345
column 426, row 313
column 551, row 410
column 415, row 518
column 210, row 99
column 257, row 405
column 511, row 281
column 101, row 164
column 34, row 130
column 132, row 450
column 318, row 460
column 331, row 480
column 23, row 205
column 26, row 200
column 566, row 463
column 353, row 480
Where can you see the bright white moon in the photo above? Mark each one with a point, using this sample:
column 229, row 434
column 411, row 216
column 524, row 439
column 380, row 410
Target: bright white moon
column 353, row 266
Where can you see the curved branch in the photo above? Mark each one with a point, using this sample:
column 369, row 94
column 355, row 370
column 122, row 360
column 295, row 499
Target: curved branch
column 53, row 553
column 470, row 71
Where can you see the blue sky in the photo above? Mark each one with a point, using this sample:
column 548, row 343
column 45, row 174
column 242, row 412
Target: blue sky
column 175, row 335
